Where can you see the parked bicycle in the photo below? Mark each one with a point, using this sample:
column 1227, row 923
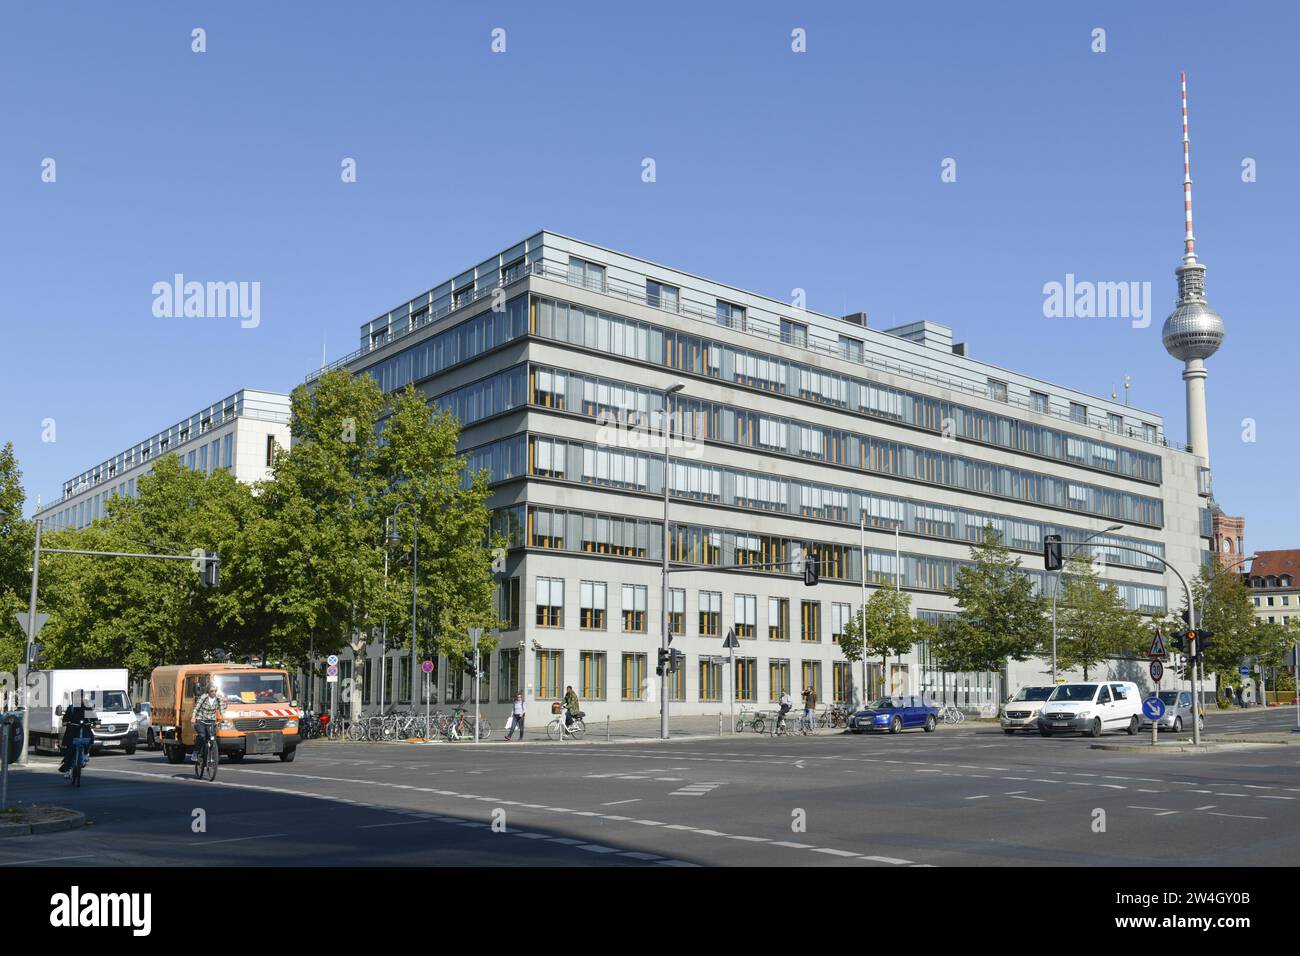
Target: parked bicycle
column 463, row 726
column 834, row 716
column 755, row 720
column 952, row 714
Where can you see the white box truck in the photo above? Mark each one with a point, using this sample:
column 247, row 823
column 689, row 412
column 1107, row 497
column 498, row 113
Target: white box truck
column 51, row 692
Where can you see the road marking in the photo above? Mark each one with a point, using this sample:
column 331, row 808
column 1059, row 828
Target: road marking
column 793, row 846
column 833, row 852
column 1035, row 799
column 614, row 803
column 49, row 859
column 887, row 859
column 1208, row 806
column 597, row 848
column 402, row 823
column 982, row 796
column 264, row 836
column 1239, row 816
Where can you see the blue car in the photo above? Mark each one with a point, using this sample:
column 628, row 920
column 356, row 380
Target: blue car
column 895, row 714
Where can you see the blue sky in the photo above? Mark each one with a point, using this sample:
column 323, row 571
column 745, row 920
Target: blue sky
column 775, row 170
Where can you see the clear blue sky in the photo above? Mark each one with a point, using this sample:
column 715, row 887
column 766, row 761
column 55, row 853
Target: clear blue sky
column 775, row 171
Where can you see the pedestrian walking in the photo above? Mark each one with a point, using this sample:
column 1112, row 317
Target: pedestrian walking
column 1241, row 698
column 516, row 718
column 809, row 708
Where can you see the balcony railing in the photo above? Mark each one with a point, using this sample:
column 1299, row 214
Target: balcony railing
column 759, row 328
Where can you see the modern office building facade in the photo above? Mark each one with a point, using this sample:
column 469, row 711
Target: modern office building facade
column 237, row 434
column 793, row 432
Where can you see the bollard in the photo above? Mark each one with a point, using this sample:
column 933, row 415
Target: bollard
column 719, row 725
column 607, row 728
column 5, row 734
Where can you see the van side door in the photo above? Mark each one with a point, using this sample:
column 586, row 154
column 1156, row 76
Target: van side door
column 1105, row 709
column 1122, row 708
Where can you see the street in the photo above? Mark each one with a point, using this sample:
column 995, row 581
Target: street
column 963, row 796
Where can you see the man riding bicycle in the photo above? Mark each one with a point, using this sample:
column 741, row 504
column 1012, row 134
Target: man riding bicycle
column 571, row 706
column 76, row 723
column 207, row 711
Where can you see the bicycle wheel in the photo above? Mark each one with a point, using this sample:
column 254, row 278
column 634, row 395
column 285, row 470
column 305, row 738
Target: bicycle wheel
column 758, row 725
column 484, row 730
column 553, row 729
column 213, row 758
column 740, row 725
column 578, row 729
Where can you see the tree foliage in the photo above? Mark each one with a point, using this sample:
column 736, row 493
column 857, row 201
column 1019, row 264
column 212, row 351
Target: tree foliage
column 1093, row 622
column 884, row 628
column 998, row 614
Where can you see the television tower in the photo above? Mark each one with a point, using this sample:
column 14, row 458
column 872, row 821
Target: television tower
column 1194, row 331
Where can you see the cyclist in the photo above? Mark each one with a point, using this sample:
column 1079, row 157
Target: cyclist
column 75, row 721
column 207, row 711
column 786, row 703
column 571, row 706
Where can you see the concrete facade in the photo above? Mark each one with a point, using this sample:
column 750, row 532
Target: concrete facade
column 796, row 425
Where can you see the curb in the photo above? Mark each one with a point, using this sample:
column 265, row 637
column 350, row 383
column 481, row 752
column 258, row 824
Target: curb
column 1157, row 749
column 72, row 822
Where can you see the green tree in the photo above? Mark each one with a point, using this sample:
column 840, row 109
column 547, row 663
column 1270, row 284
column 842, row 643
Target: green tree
column 1225, row 610
column 884, row 628
column 998, row 615
column 1093, row 623
column 15, row 558
column 426, row 481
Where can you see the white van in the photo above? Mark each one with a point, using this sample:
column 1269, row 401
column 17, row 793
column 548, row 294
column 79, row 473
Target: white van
column 1092, row 707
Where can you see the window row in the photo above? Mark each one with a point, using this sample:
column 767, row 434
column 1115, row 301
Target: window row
column 644, row 342
column 701, row 420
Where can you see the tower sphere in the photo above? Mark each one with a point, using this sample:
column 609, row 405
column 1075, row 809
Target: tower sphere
column 1192, row 331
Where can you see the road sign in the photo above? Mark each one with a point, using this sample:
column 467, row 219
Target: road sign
column 331, row 678
column 427, row 667
column 730, row 639
column 23, row 620
column 1157, row 671
column 1157, row 646
column 1153, row 707
column 1243, row 670
column 332, row 660
column 332, row 671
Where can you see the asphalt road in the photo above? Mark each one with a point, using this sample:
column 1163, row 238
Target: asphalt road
column 964, row 796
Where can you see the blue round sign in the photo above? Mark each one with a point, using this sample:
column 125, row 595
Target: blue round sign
column 332, row 660
column 1243, row 670
column 1153, row 707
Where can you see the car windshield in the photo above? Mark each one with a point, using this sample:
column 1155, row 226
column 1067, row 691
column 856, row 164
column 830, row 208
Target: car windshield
column 252, row 688
column 1033, row 693
column 1169, row 697
column 1075, row 692
column 885, row 703
column 112, row 700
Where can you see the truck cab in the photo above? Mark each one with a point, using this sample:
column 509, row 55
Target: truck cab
column 259, row 712
column 103, row 690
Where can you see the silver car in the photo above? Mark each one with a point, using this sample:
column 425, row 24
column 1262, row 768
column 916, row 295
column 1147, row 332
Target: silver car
column 1178, row 712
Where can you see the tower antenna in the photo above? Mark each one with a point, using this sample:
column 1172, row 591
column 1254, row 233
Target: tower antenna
column 1189, row 239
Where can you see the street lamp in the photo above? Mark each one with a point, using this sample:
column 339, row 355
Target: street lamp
column 1056, row 587
column 664, row 638
column 395, row 538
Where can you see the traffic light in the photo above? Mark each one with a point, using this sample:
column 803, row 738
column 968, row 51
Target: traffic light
column 1178, row 641
column 811, row 571
column 35, row 656
column 210, row 576
column 663, row 660
column 676, row 661
column 1204, row 641
column 1052, row 552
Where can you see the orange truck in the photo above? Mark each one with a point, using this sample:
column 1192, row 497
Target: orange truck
column 259, row 712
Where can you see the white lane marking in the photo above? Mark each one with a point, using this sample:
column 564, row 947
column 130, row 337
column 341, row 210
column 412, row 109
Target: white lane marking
column 1035, row 799
column 1239, row 816
column 637, row 855
column 1208, row 806
column 887, row 859
column 833, row 852
column 597, row 848
column 48, row 859
column 264, row 836
column 402, row 823
column 614, row 803
column 982, row 796
column 793, row 846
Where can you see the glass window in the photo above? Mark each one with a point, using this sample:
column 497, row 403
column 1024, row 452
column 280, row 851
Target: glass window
column 634, row 676
column 997, row 390
column 732, row 316
column 661, row 296
column 589, row 275
column 794, row 333
column 634, row 608
column 550, row 665
column 810, row 675
column 404, row 679
column 842, row 682
column 778, row 679
column 710, row 613
column 1038, row 401
column 1115, row 423
column 592, row 605
column 851, row 348
column 592, row 681
column 841, row 614
column 810, row 621
column 746, row 612
column 508, row 675
column 1078, row 412
column 710, row 679
column 677, row 611
column 746, row 679
column 550, row 602
column 508, row 604
column 778, row 619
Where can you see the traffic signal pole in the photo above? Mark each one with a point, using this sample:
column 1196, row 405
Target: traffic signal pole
column 27, row 648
